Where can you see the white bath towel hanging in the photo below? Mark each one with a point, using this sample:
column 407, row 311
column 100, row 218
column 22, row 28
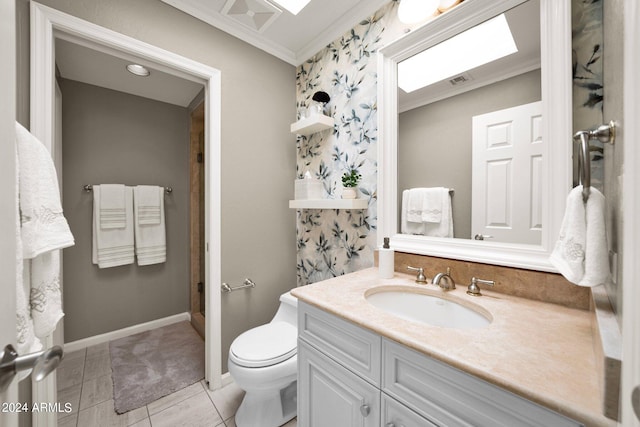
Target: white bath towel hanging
column 581, row 251
column 112, row 206
column 113, row 247
column 151, row 247
column 44, row 231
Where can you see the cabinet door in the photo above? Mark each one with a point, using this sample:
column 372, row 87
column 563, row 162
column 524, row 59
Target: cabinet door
column 329, row 395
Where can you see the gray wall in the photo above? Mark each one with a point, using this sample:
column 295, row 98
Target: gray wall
column 434, row 141
column 258, row 151
column 113, row 137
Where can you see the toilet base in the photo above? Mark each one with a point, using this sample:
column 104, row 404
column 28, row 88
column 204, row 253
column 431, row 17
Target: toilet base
column 271, row 408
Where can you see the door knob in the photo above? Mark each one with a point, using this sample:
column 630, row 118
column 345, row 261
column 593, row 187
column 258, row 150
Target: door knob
column 635, row 401
column 42, row 363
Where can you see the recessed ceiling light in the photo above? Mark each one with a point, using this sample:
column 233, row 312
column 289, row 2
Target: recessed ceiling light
column 477, row 46
column 293, row 6
column 138, row 70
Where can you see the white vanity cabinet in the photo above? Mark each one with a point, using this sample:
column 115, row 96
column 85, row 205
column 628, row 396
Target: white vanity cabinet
column 350, row 376
column 330, row 395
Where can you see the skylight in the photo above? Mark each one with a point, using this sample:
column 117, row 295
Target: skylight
column 477, row 46
column 293, row 6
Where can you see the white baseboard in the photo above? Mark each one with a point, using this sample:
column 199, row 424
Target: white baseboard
column 125, row 332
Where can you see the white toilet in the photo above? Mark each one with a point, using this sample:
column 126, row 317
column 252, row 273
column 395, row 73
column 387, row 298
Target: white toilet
column 263, row 362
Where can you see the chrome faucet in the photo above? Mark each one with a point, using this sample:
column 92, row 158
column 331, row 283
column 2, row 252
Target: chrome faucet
column 450, row 284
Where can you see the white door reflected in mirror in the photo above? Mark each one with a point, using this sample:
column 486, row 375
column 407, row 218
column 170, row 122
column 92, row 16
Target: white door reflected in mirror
column 507, row 174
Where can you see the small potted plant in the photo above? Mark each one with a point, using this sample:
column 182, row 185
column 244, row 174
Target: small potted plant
column 350, row 184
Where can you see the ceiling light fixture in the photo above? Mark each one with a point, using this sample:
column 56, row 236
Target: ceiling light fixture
column 414, row 11
column 293, row 6
column 476, row 46
column 138, row 70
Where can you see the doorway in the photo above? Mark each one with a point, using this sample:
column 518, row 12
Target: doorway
column 47, row 25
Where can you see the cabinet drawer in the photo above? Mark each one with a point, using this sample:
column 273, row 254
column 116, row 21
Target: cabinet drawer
column 395, row 414
column 329, row 395
column 449, row 397
column 352, row 346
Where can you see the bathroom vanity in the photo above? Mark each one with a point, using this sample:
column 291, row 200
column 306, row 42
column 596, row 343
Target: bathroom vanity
column 533, row 365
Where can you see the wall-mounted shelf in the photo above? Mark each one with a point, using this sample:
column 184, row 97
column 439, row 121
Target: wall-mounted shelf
column 312, row 124
column 329, row 204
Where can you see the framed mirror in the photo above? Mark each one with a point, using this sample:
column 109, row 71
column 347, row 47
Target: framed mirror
column 549, row 72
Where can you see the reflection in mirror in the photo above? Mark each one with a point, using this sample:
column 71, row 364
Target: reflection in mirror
column 551, row 69
column 475, row 130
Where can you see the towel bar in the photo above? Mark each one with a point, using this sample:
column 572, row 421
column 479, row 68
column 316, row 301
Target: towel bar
column 604, row 133
column 248, row 283
column 89, row 188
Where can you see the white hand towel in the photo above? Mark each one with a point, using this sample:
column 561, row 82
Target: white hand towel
column 25, row 336
column 148, row 199
column 112, row 206
column 151, row 247
column 444, row 228
column 415, row 204
column 434, row 203
column 406, row 226
column 113, row 247
column 581, row 252
column 44, row 228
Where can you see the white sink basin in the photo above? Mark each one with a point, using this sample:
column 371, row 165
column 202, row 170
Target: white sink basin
column 429, row 309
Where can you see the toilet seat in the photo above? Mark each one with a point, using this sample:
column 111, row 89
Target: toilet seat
column 265, row 345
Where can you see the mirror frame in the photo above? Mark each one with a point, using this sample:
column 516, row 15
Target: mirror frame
column 556, row 90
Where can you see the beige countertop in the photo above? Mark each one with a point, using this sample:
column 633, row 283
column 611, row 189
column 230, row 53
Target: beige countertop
column 540, row 351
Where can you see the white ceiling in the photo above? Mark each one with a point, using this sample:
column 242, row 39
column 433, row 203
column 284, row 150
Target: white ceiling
column 292, row 38
column 86, row 65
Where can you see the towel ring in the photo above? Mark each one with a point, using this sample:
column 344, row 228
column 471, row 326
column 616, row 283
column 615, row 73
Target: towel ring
column 604, row 133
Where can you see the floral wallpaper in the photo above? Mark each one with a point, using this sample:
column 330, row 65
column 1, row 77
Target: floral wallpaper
column 334, row 242
column 587, row 77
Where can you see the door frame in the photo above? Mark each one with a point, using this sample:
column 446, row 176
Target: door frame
column 48, row 24
column 631, row 207
column 8, row 193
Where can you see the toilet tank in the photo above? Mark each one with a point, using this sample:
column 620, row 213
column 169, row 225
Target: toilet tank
column 288, row 309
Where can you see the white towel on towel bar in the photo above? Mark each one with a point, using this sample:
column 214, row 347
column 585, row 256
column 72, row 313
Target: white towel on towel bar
column 444, row 228
column 581, row 252
column 151, row 246
column 112, row 206
column 115, row 246
column 148, row 199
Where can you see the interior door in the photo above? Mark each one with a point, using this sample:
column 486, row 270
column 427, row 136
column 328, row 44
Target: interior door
column 7, row 194
column 507, row 174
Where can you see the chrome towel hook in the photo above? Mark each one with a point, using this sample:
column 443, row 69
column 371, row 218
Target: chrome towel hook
column 604, row 133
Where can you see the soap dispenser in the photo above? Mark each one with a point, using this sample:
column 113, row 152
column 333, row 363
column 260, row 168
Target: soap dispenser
column 385, row 260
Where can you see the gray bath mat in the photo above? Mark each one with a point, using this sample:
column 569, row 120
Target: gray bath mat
column 152, row 364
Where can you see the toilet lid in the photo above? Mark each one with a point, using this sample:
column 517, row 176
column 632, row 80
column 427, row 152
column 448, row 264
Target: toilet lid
column 265, row 345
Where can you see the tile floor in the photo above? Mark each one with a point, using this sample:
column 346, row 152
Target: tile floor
column 84, row 381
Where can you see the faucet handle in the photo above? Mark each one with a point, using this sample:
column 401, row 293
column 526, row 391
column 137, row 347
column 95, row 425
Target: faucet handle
column 420, row 278
column 474, row 289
